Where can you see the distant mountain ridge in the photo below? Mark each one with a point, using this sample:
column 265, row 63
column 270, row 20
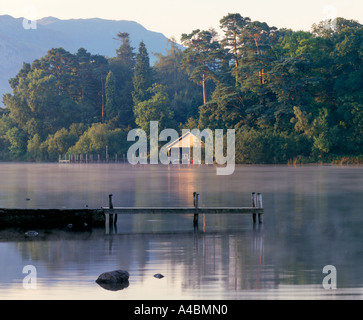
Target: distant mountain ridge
column 18, row 45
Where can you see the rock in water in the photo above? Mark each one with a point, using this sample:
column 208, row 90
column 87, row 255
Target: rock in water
column 114, row 276
column 31, row 233
column 114, row 280
column 158, row 275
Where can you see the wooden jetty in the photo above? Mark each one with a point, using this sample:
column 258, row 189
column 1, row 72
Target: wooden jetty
column 91, row 158
column 107, row 216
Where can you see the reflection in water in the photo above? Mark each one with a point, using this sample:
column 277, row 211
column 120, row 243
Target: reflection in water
column 114, row 286
column 312, row 219
column 198, row 263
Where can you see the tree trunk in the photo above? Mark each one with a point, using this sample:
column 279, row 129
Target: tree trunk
column 235, row 50
column 204, row 89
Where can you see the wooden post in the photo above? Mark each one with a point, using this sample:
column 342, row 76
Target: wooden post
column 196, row 204
column 259, row 205
column 110, row 205
column 253, row 204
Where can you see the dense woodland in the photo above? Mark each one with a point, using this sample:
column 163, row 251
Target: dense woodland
column 291, row 96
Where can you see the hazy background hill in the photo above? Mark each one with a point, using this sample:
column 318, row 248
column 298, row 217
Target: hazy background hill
column 18, row 45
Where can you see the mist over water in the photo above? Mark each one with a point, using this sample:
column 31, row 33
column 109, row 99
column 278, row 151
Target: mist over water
column 313, row 218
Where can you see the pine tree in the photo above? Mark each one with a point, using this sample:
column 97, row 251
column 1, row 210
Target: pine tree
column 142, row 79
column 202, row 56
column 111, row 106
column 122, row 67
column 233, row 25
column 125, row 53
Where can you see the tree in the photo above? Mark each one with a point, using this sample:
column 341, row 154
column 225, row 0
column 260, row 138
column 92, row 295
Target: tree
column 22, row 74
column 94, row 140
column 59, row 143
column 297, row 43
column 111, row 97
column 142, row 79
column 36, row 149
column 322, row 142
column 185, row 97
column 233, row 25
column 332, row 27
column 256, row 38
column 225, row 109
column 201, row 57
column 266, row 146
column 117, row 142
column 349, row 138
column 101, row 68
column 87, row 85
column 98, row 137
column 59, row 63
column 17, row 140
column 37, row 106
column 122, row 66
column 125, row 53
column 157, row 108
column 291, row 82
column 83, row 76
column 6, row 123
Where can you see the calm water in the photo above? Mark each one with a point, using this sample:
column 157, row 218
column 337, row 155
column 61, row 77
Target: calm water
column 313, row 218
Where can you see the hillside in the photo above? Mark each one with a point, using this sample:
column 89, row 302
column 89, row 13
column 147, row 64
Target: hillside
column 18, row 45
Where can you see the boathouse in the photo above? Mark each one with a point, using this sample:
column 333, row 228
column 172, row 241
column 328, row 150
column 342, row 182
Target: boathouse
column 183, row 145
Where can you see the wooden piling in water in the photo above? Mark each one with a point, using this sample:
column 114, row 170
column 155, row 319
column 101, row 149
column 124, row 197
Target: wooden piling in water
column 111, row 207
column 107, row 216
column 259, row 205
column 254, row 205
column 196, row 205
column 111, row 215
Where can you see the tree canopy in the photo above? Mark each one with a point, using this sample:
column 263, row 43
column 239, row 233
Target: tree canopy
column 291, row 96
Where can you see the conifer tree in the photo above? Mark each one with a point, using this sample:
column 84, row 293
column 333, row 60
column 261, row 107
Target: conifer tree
column 122, row 67
column 142, row 79
column 111, row 107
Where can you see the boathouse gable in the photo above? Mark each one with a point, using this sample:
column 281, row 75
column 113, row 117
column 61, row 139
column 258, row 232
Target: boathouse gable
column 181, row 149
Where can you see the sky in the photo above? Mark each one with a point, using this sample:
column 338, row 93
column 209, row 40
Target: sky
column 174, row 17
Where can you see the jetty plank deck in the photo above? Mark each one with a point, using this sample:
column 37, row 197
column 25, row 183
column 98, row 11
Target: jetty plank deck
column 183, row 210
column 106, row 216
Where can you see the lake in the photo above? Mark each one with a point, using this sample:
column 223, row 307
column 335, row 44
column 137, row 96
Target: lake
column 313, row 219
